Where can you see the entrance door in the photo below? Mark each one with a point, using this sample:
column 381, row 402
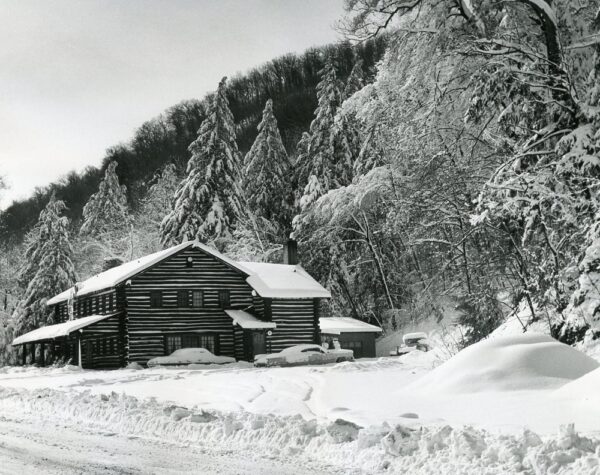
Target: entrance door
column 89, row 352
column 259, row 346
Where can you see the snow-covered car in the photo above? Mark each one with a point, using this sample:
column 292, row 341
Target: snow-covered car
column 416, row 341
column 304, row 355
column 186, row 356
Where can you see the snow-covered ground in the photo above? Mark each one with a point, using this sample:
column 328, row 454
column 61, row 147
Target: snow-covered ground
column 497, row 407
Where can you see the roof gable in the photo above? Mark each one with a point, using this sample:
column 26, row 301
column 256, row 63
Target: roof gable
column 268, row 280
column 112, row 277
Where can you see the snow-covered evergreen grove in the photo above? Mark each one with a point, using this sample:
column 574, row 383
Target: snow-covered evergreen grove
column 463, row 167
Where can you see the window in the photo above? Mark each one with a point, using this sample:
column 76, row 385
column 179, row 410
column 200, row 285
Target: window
column 191, row 340
column 224, row 298
column 104, row 347
column 183, row 298
column 209, row 342
column 156, row 298
column 103, row 303
column 197, row 298
column 172, row 343
column 189, row 262
column 313, row 350
column 355, row 346
column 110, row 302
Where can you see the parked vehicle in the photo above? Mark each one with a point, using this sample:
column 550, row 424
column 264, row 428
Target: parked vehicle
column 186, row 356
column 304, row 355
column 416, row 341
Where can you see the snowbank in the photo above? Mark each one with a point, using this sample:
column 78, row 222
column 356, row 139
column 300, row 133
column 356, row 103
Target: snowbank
column 340, row 444
column 526, row 361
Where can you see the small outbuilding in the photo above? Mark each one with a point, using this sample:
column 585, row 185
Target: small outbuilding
column 352, row 334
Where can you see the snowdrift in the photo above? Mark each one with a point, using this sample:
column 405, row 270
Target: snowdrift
column 345, row 447
column 585, row 389
column 518, row 362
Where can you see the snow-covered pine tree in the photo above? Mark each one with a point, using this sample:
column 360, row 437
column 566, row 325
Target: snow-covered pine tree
column 31, row 257
column 301, row 167
column 209, row 200
column 319, row 167
column 106, row 212
column 356, row 80
column 346, row 146
column 160, row 195
column 347, row 130
column 55, row 271
column 267, row 169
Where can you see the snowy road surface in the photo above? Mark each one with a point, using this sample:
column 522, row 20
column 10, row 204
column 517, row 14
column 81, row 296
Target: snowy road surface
column 34, row 446
column 503, row 407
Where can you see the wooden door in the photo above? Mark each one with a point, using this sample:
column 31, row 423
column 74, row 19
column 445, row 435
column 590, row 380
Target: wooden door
column 89, row 354
column 259, row 346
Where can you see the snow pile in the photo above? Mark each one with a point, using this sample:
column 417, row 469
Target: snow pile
column 343, row 445
column 527, row 361
column 586, row 390
column 35, row 371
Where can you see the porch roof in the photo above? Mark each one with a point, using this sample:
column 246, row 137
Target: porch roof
column 248, row 321
column 60, row 329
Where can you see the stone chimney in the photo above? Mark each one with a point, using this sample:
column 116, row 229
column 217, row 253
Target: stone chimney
column 290, row 252
column 110, row 262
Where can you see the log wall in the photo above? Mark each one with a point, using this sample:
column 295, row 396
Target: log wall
column 147, row 325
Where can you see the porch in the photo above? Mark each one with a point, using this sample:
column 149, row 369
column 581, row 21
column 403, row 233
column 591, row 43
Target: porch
column 74, row 340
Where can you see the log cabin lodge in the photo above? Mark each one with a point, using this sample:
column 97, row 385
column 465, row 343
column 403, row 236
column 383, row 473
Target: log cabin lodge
column 189, row 295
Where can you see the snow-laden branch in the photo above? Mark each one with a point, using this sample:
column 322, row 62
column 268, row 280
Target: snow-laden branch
column 586, row 42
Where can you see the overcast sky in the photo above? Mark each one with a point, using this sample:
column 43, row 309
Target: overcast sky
column 78, row 76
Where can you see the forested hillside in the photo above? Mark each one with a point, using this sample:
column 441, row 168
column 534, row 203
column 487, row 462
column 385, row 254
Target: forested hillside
column 289, row 80
column 463, row 168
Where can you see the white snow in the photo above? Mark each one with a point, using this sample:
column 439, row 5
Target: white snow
column 61, row 329
column 337, row 325
column 283, row 281
column 586, row 390
column 384, row 415
column 188, row 356
column 528, row 361
column 355, row 417
column 415, row 336
column 268, row 280
column 248, row 321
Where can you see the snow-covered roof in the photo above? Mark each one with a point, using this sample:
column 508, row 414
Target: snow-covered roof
column 337, row 325
column 111, row 277
column 283, row 281
column 414, row 336
column 248, row 321
column 60, row 329
column 268, row 280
